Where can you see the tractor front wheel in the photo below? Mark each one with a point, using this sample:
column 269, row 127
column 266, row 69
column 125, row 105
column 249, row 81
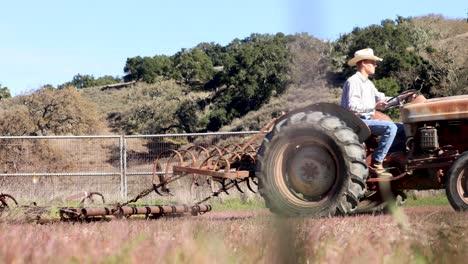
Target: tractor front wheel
column 457, row 183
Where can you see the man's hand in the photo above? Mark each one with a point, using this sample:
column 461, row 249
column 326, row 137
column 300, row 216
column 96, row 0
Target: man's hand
column 406, row 95
column 381, row 105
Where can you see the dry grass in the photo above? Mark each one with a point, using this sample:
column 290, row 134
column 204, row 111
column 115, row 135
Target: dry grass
column 441, row 27
column 423, row 235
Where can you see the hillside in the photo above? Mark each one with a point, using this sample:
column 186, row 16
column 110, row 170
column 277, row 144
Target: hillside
column 243, row 85
column 308, row 85
column 309, row 72
column 116, row 100
column 451, row 37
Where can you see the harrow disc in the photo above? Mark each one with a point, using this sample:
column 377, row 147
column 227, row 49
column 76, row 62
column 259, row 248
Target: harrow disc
column 6, row 200
column 90, row 198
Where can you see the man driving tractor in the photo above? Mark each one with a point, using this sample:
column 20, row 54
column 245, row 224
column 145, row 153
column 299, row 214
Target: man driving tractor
column 361, row 97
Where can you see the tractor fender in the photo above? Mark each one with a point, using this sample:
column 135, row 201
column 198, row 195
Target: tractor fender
column 351, row 120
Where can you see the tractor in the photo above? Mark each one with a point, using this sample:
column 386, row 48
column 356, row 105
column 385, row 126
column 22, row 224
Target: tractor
column 315, row 161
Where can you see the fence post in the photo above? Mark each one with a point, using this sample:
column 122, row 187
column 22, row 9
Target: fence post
column 125, row 168
column 123, row 193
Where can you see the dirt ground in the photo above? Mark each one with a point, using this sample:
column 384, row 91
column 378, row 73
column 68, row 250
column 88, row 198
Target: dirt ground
column 432, row 234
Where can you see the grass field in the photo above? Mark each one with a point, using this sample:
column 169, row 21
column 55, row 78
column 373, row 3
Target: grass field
column 439, row 199
column 423, row 231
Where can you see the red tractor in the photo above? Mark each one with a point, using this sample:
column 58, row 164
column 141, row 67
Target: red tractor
column 314, row 161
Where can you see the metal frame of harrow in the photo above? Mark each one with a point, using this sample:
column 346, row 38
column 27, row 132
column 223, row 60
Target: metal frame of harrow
column 229, row 166
column 225, row 165
column 34, row 212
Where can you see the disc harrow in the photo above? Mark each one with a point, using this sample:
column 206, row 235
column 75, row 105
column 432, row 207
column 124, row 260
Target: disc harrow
column 213, row 167
column 38, row 214
column 219, row 167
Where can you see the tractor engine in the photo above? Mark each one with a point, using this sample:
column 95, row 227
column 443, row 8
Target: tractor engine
column 434, row 146
column 431, row 138
column 428, row 139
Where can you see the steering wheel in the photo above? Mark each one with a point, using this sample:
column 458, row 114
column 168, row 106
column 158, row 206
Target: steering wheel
column 410, row 91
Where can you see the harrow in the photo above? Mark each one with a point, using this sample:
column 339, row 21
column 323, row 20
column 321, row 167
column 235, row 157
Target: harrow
column 225, row 166
column 218, row 168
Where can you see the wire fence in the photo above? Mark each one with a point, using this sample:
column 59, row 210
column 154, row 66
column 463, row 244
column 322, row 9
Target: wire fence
column 50, row 168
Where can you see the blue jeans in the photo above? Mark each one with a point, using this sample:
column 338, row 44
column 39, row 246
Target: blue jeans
column 392, row 137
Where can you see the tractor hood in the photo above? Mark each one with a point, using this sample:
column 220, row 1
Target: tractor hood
column 444, row 108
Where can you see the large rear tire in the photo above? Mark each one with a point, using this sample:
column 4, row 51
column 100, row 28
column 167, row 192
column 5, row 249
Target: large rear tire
column 457, row 183
column 311, row 164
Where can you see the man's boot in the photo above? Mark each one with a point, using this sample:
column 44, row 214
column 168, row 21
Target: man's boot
column 378, row 171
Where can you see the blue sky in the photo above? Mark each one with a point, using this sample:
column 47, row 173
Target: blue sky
column 50, row 41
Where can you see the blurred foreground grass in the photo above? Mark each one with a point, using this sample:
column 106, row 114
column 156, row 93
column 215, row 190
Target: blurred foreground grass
column 427, row 234
column 425, row 230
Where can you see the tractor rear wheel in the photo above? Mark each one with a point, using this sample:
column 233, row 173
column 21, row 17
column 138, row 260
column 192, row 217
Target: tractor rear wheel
column 311, row 164
column 457, row 183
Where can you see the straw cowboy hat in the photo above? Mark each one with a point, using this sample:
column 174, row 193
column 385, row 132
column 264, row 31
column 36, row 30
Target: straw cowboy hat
column 364, row 54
